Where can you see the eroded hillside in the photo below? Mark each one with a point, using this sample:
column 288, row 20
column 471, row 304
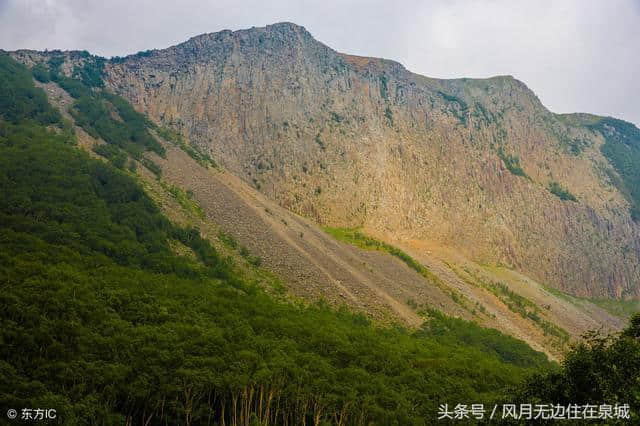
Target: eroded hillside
column 382, row 283
column 477, row 165
column 466, row 196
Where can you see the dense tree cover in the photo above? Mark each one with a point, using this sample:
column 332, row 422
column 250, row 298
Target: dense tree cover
column 101, row 113
column 19, row 98
column 599, row 370
column 456, row 331
column 102, row 321
column 622, row 149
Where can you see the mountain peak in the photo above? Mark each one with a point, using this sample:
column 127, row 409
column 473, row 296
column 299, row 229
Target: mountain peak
column 278, row 27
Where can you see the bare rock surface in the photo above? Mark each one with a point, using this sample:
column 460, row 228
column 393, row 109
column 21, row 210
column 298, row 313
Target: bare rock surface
column 351, row 141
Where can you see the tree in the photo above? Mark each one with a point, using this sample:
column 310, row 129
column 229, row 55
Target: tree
column 598, row 370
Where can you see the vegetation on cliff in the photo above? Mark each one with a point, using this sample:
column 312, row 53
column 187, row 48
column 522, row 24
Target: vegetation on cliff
column 561, row 192
column 511, row 162
column 622, row 148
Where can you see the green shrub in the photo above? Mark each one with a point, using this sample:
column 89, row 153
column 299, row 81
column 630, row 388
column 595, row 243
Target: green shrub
column 511, row 162
column 41, row 73
column 95, row 114
column 185, row 199
column 91, row 72
column 227, row 240
column 598, row 370
column 320, row 143
column 153, row 167
column 73, row 86
column 462, row 108
column 388, row 114
column 177, row 139
column 112, row 153
column 384, row 90
column 55, row 62
column 556, row 189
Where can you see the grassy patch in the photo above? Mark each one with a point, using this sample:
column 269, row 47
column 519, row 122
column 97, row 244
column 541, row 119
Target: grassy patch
column 227, row 240
column 176, row 139
column 358, row 239
column 621, row 308
column 522, row 306
column 185, row 199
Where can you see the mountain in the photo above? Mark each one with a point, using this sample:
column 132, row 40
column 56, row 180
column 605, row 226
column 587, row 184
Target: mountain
column 477, row 166
column 252, row 228
column 495, row 209
column 113, row 309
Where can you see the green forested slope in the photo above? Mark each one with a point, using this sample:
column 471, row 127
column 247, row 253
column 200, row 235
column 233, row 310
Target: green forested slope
column 622, row 149
column 102, row 321
column 599, row 370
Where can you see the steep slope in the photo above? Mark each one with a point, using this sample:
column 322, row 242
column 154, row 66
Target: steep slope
column 447, row 170
column 315, row 266
column 476, row 165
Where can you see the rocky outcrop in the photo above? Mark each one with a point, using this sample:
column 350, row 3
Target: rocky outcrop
column 354, row 141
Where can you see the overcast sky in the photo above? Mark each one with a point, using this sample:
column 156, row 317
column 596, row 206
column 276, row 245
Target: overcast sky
column 577, row 55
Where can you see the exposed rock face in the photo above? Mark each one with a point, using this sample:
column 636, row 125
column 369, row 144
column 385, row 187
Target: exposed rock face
column 353, row 141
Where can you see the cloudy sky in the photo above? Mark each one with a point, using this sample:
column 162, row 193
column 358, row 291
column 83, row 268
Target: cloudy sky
column 577, row 55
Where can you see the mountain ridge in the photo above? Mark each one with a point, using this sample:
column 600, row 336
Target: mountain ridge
column 353, row 141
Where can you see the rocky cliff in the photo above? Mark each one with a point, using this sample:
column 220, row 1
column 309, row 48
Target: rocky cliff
column 477, row 166
column 354, row 141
